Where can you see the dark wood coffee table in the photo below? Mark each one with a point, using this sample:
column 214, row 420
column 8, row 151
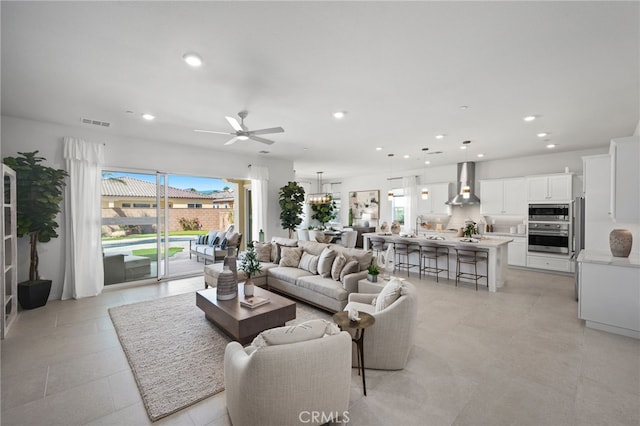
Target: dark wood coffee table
column 244, row 324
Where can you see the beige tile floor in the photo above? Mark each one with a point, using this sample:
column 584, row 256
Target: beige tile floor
column 516, row 357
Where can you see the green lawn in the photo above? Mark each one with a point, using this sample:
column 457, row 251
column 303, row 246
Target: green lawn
column 152, row 253
column 172, row 233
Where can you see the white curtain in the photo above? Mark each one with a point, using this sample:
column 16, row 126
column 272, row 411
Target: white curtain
column 84, row 273
column 259, row 176
column 410, row 202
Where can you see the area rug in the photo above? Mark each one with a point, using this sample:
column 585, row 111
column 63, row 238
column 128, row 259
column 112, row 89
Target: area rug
column 175, row 353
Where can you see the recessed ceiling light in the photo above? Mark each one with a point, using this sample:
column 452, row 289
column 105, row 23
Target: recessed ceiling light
column 192, row 59
column 440, row 136
column 339, row 114
column 148, row 117
column 463, row 147
column 427, row 162
column 480, row 155
column 551, row 145
column 542, row 134
column 464, row 106
column 379, row 148
column 406, row 156
column 529, row 118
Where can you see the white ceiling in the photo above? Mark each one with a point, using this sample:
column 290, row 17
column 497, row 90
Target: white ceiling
column 401, row 71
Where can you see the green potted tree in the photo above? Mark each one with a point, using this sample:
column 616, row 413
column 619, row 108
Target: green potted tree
column 38, row 194
column 291, row 202
column 250, row 264
column 324, row 212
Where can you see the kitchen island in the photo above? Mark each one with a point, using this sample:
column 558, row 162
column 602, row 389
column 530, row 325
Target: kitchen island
column 496, row 247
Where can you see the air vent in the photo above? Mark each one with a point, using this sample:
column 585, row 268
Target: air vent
column 434, row 152
column 95, row 122
column 263, row 152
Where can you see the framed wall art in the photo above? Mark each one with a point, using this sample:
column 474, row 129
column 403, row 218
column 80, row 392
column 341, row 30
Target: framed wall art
column 365, row 205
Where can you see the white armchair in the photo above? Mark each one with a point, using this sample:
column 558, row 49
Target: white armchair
column 348, row 238
column 283, row 384
column 388, row 342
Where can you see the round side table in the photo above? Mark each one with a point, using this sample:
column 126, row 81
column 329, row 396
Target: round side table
column 366, row 320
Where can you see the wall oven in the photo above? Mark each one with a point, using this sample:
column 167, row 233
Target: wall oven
column 549, row 237
column 550, row 212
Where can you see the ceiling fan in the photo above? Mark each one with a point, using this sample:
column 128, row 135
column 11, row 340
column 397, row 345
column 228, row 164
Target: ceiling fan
column 243, row 133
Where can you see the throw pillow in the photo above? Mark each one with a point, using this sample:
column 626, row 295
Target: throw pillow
column 223, row 243
column 263, row 251
column 338, row 265
column 213, row 241
column 351, row 267
column 309, row 262
column 279, row 251
column 307, row 330
column 325, row 261
column 234, row 239
column 290, row 256
column 389, row 294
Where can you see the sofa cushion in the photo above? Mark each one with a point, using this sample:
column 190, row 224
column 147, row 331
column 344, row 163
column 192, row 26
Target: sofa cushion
column 212, row 241
column 290, row 256
column 325, row 262
column 363, row 257
column 351, row 267
column 324, row 286
column 263, row 251
column 389, row 294
column 313, row 247
column 309, row 262
column 287, row 274
column 308, row 330
column 338, row 264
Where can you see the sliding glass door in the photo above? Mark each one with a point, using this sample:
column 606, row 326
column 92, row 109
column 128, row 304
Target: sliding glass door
column 151, row 220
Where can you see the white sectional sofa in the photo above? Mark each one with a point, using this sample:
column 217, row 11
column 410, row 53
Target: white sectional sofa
column 329, row 291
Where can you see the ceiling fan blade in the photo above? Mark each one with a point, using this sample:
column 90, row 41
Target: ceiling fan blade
column 234, row 123
column 213, row 131
column 231, row 141
column 266, row 131
column 263, row 140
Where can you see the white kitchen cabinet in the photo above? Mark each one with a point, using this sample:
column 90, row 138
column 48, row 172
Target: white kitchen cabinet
column 550, row 187
column 517, row 255
column 503, row 197
column 549, row 262
column 597, row 214
column 609, row 292
column 625, row 175
column 439, row 194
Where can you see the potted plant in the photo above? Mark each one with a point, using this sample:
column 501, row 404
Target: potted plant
column 291, row 202
column 38, row 194
column 325, row 212
column 250, row 264
column 372, row 273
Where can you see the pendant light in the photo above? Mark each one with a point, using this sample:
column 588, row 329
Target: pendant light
column 424, row 194
column 320, row 197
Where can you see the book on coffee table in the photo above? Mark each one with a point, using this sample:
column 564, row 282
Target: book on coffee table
column 253, row 301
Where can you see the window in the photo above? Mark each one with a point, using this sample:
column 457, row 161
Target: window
column 125, row 205
column 397, row 206
column 194, row 205
column 144, row 205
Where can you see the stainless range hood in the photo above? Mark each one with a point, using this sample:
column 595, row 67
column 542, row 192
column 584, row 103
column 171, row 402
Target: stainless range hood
column 466, row 182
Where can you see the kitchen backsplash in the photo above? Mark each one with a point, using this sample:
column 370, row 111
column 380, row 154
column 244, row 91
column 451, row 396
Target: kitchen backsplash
column 460, row 214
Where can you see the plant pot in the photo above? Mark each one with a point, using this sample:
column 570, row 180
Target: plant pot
column 33, row 294
column 248, row 287
column 372, row 278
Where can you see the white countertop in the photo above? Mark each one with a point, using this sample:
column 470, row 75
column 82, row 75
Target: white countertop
column 450, row 240
column 605, row 258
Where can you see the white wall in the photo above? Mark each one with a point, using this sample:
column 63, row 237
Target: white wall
column 20, row 135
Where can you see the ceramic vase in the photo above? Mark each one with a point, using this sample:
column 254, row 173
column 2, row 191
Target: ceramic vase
column 227, row 288
column 395, row 227
column 248, row 287
column 620, row 241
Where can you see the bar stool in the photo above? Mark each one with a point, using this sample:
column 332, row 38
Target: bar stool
column 378, row 245
column 470, row 256
column 403, row 249
column 432, row 252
